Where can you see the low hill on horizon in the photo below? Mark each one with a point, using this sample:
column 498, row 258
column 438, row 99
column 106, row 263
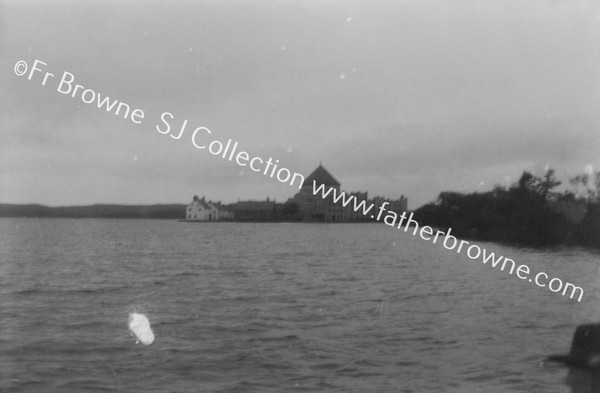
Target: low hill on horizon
column 164, row 211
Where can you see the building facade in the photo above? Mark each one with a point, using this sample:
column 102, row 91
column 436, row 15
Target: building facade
column 304, row 206
column 316, row 208
column 201, row 210
column 256, row 211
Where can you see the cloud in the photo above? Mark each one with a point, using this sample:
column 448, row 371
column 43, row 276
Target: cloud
column 435, row 95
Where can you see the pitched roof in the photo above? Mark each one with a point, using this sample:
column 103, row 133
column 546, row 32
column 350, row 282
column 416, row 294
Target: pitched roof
column 254, row 206
column 321, row 176
column 221, row 207
column 203, row 204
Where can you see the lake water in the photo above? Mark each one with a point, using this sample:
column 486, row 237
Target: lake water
column 276, row 308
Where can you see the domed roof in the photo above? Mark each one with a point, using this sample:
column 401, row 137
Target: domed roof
column 321, row 176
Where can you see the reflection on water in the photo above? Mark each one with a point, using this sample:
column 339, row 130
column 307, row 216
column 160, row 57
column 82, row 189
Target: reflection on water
column 276, row 307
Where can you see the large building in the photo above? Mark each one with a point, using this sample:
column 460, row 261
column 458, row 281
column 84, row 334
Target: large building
column 257, row 211
column 313, row 207
column 304, row 206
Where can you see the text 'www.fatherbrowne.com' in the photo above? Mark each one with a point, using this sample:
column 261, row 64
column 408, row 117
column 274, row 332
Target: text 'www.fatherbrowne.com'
column 449, row 242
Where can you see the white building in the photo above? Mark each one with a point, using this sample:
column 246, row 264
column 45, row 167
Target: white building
column 200, row 210
column 221, row 212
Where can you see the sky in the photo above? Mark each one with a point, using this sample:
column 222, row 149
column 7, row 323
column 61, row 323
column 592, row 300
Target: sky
column 404, row 97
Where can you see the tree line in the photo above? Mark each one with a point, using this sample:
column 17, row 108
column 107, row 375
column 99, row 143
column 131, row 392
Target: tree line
column 530, row 212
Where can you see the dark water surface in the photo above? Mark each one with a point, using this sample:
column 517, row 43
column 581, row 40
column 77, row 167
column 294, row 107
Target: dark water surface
column 275, row 308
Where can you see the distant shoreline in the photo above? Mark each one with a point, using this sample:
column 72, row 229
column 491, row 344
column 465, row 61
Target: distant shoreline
column 157, row 211
column 110, row 211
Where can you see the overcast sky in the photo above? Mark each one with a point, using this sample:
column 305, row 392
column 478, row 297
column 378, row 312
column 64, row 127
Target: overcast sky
column 394, row 97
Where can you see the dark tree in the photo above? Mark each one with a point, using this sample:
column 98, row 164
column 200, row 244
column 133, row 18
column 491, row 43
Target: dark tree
column 547, row 183
column 527, row 182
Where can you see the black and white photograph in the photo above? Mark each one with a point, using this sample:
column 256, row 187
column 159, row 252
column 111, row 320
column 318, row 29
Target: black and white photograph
column 272, row 196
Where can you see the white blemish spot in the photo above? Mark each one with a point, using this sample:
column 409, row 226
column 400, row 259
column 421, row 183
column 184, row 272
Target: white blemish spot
column 191, row 49
column 140, row 326
column 588, row 169
column 135, row 158
column 348, row 19
column 242, row 173
column 282, row 47
column 342, row 76
column 289, row 149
